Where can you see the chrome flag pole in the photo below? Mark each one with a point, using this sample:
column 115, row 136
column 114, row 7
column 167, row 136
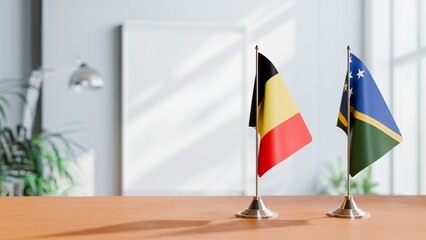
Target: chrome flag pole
column 257, row 208
column 348, row 209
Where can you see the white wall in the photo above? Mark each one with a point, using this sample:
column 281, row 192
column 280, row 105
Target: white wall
column 393, row 43
column 305, row 39
column 15, row 47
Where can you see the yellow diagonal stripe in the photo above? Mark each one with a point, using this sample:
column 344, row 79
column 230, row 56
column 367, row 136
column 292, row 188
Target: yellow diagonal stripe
column 277, row 105
column 363, row 117
column 343, row 119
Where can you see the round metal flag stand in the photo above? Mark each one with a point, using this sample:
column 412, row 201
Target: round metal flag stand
column 348, row 209
column 257, row 209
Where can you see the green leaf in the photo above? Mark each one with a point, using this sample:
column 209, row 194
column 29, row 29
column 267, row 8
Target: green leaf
column 31, row 183
column 4, row 101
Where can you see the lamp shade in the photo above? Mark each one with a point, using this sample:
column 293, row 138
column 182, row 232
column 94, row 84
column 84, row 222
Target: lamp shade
column 86, row 77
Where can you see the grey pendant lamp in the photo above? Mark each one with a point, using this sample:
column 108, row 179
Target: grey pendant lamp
column 86, row 77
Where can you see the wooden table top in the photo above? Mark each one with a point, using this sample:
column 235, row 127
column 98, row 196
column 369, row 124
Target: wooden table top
column 300, row 217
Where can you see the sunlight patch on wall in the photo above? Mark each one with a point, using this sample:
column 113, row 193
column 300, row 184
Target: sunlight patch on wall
column 406, row 115
column 183, row 126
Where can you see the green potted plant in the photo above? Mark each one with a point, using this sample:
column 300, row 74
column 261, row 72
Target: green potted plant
column 43, row 164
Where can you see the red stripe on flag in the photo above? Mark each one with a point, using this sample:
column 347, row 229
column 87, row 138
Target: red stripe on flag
column 282, row 141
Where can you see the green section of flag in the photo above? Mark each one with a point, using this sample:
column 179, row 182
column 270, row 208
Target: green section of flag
column 368, row 144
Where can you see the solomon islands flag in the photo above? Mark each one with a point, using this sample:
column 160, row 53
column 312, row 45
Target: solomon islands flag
column 373, row 131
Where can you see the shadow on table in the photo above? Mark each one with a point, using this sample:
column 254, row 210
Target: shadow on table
column 198, row 226
column 130, row 227
column 239, row 225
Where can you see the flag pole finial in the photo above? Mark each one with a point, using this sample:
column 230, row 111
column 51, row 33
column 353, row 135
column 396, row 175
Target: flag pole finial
column 348, row 48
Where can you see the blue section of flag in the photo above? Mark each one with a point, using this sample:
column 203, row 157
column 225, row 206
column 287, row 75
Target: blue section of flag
column 366, row 97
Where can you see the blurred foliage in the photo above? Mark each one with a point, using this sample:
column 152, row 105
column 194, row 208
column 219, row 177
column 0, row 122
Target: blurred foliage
column 43, row 164
column 334, row 176
column 35, row 166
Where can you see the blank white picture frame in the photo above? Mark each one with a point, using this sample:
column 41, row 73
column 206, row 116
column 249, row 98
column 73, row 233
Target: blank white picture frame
column 183, row 116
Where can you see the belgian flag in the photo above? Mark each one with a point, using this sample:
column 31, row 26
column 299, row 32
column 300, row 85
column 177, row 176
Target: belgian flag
column 373, row 131
column 281, row 127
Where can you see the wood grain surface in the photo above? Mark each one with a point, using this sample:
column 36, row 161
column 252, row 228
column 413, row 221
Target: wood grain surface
column 300, row 217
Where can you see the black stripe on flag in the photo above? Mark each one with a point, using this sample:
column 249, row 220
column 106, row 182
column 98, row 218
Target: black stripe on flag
column 266, row 71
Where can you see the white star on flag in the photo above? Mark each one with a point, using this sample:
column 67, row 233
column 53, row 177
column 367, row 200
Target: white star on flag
column 360, row 73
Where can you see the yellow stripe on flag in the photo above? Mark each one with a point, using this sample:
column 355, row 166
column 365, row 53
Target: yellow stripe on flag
column 277, row 105
column 363, row 117
column 343, row 119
